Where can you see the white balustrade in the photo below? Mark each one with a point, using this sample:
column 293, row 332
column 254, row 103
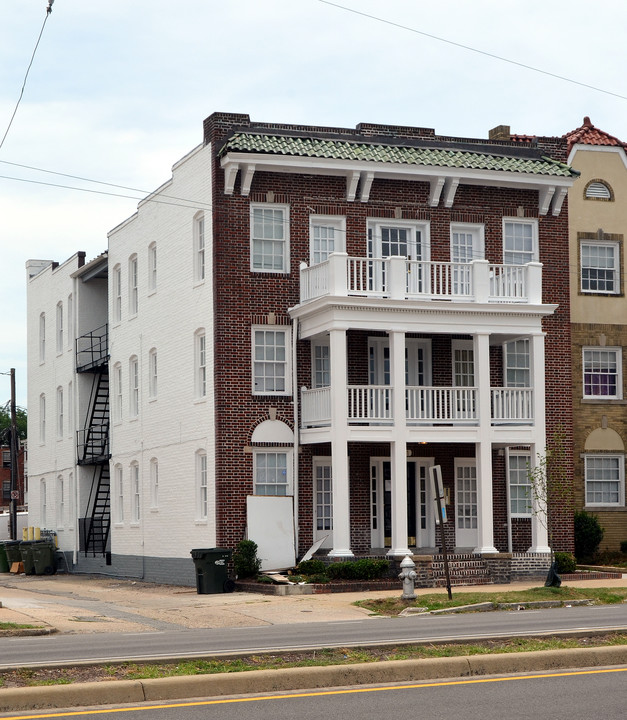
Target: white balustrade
column 512, row 405
column 315, row 407
column 441, row 404
column 372, row 403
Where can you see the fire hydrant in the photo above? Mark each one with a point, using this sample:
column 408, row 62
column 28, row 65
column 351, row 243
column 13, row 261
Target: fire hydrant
column 408, row 575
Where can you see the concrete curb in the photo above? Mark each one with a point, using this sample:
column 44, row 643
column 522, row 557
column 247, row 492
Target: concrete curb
column 263, row 681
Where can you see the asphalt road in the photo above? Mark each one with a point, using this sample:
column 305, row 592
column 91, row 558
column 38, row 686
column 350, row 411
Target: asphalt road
column 561, row 695
column 45, row 650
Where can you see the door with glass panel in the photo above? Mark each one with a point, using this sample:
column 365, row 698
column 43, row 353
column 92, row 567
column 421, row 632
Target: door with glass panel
column 463, row 380
column 390, row 239
column 466, row 245
column 323, row 501
column 466, row 504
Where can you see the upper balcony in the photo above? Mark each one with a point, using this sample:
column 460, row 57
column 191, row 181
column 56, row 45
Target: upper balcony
column 398, row 278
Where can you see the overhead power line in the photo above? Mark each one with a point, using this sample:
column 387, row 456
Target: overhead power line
column 472, row 49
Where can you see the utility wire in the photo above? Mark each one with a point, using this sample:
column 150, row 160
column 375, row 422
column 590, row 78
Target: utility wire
column 19, row 100
column 472, row 49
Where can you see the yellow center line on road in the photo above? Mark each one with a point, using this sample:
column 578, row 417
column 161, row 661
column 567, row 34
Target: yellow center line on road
column 314, row 693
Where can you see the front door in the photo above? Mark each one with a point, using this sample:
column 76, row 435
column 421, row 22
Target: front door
column 466, row 515
column 394, row 239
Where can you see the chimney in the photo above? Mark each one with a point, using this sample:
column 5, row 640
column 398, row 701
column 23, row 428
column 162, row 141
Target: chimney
column 500, row 132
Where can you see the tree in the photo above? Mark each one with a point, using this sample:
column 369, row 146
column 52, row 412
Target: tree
column 5, row 422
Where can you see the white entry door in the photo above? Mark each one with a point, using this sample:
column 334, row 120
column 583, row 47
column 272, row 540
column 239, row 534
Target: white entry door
column 466, row 515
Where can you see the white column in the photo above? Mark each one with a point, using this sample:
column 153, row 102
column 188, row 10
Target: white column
column 339, row 445
column 398, row 448
column 539, row 520
column 483, row 449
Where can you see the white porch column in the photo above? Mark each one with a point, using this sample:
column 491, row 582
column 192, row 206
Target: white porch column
column 483, row 449
column 398, row 448
column 539, row 520
column 339, row 445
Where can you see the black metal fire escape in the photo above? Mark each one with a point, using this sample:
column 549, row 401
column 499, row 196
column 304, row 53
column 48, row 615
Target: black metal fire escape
column 92, row 357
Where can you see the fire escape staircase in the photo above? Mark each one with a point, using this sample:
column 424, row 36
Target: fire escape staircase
column 92, row 357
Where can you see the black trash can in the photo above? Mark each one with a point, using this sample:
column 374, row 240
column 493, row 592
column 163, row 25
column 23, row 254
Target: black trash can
column 4, row 563
column 43, row 558
column 212, row 570
column 26, row 551
column 12, row 549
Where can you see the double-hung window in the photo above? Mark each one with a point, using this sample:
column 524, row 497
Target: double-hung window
column 133, row 280
column 135, row 489
column 269, row 238
column 599, row 267
column 520, row 241
column 199, row 247
column 327, row 234
column 517, row 363
column 270, row 361
column 605, row 479
column 202, row 487
column 152, row 266
column 201, row 364
column 117, row 293
column 602, row 373
column 520, row 493
column 133, row 387
column 271, row 470
column 59, row 328
column 152, row 373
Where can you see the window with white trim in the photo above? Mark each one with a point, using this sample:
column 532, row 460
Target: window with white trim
column 323, row 493
column 602, row 373
column 200, row 350
column 119, row 490
column 271, row 361
column 517, row 363
column 152, row 373
column 272, row 472
column 133, row 281
column 42, row 337
column 520, row 241
column 605, row 480
column 118, row 395
column 199, row 247
column 117, row 293
column 152, row 267
column 60, row 504
column 43, row 504
column 59, row 412
column 133, row 387
column 59, row 328
column 320, row 365
column 467, row 242
column 70, row 320
column 42, row 419
column 599, row 267
column 327, row 234
column 269, row 238
column 202, row 487
column 154, row 483
column 520, row 497
column 136, row 493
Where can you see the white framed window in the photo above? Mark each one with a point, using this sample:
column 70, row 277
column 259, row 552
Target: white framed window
column 152, row 373
column 467, row 242
column 42, row 419
column 152, row 267
column 520, row 241
column 60, row 502
column 327, row 234
column 199, row 247
column 135, row 493
column 271, row 373
column 520, row 497
column 272, row 472
column 70, row 321
column 42, row 337
column 119, row 493
column 200, row 352
column 463, row 363
column 43, row 504
column 117, row 390
column 599, row 267
column 154, row 483
column 269, row 238
column 598, row 190
column 517, row 363
column 117, row 293
column 133, row 281
column 202, row 488
column 602, row 373
column 320, row 365
column 59, row 328
column 133, row 387
column 605, row 480
column 323, row 494
column 59, row 412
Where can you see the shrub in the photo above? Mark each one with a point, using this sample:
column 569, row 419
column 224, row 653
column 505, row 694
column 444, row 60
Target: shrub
column 364, row 569
column 588, row 536
column 318, row 579
column 245, row 560
column 566, row 562
column 312, row 567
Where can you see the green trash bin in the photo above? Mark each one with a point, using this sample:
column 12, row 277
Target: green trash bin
column 26, row 551
column 212, row 570
column 12, row 549
column 4, row 563
column 44, row 558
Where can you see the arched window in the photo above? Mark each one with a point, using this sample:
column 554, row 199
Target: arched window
column 598, row 190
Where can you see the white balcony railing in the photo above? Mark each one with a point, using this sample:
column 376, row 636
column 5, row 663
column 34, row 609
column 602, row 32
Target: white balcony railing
column 399, row 278
column 424, row 405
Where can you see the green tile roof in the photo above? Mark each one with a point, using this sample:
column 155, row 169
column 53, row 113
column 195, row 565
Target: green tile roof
column 399, row 154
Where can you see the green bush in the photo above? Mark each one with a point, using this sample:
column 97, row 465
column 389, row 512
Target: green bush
column 588, row 536
column 364, row 569
column 245, row 560
column 318, row 579
column 312, row 567
column 566, row 562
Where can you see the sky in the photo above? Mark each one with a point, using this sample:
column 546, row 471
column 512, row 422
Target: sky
column 118, row 91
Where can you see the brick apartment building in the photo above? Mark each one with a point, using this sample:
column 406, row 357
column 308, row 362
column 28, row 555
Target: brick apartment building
column 288, row 335
column 5, row 478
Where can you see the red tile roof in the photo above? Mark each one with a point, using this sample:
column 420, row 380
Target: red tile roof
column 587, row 134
